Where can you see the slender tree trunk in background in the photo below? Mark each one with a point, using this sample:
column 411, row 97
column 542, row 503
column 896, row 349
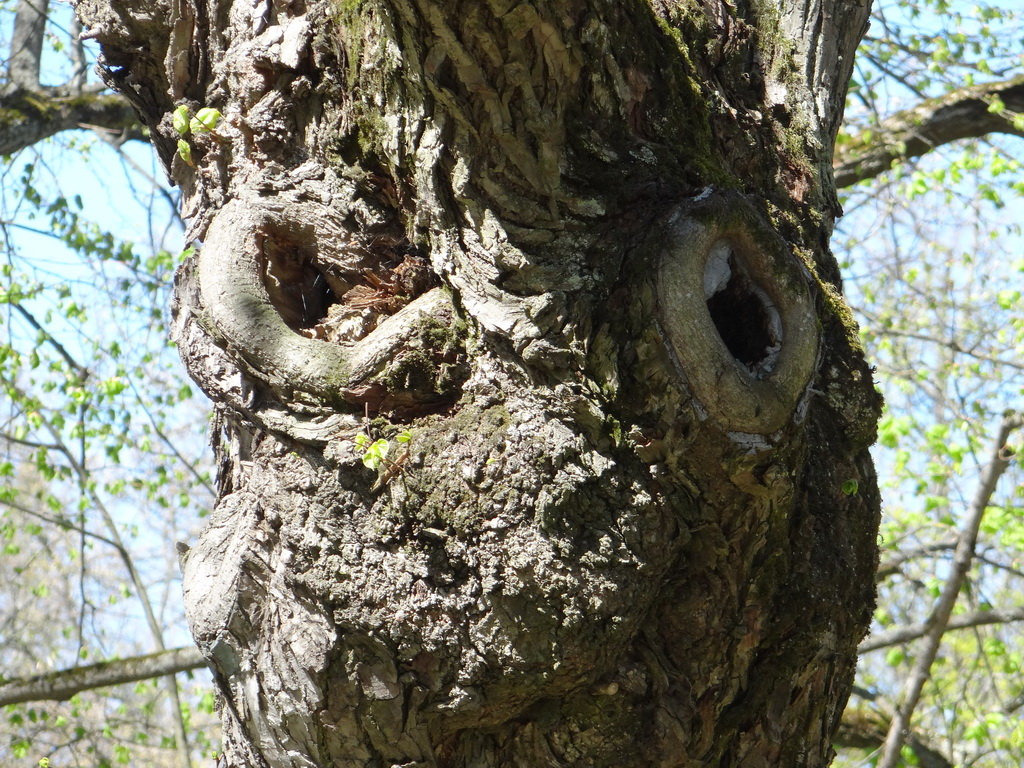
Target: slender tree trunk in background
column 578, row 248
column 26, row 44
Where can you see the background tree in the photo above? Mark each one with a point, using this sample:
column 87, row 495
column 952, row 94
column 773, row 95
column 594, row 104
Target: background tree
column 100, row 467
column 934, row 270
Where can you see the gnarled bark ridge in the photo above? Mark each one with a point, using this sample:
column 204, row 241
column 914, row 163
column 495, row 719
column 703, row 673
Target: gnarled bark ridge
column 568, row 261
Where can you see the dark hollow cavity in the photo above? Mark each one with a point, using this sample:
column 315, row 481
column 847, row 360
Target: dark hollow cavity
column 743, row 315
column 297, row 289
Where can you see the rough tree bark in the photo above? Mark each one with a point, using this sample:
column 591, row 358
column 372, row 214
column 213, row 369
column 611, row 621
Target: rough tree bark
column 579, row 248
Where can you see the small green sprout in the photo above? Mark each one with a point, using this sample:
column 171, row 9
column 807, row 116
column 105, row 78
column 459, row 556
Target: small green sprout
column 374, row 455
column 180, row 120
column 850, row 487
column 185, row 151
column 185, row 123
column 205, row 120
column 374, row 451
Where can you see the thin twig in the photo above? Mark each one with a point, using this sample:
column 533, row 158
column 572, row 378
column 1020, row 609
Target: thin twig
column 951, row 344
column 892, row 566
column 202, row 481
column 60, row 522
column 910, row 632
column 80, row 370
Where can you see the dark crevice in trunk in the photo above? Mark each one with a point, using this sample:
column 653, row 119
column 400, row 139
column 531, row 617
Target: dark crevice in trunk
column 745, row 319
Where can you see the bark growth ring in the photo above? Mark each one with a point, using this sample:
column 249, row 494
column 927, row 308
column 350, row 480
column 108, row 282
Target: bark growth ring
column 736, row 310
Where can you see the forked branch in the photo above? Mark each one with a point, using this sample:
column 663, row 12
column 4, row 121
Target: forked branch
column 31, row 112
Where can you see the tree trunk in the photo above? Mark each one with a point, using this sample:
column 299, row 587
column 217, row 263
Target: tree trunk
column 567, row 261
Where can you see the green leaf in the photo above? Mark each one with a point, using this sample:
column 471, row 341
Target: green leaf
column 1007, row 298
column 376, row 454
column 996, row 105
column 185, row 151
column 206, row 120
column 113, row 386
column 180, row 121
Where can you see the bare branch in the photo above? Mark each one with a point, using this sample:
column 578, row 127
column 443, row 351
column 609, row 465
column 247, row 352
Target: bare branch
column 1014, row 704
column 962, row 114
column 27, row 117
column 80, row 370
column 861, row 729
column 63, row 684
column 910, row 632
column 939, row 620
column 951, row 344
column 892, row 566
column 60, row 521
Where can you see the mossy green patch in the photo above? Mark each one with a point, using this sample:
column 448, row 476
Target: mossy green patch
column 434, row 362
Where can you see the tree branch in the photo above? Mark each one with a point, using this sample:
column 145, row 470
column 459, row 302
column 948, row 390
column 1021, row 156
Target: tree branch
column 892, row 566
column 865, row 730
column 904, row 634
column 63, row 684
column 961, row 114
column 1014, row 704
column 27, row 117
column 939, row 619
